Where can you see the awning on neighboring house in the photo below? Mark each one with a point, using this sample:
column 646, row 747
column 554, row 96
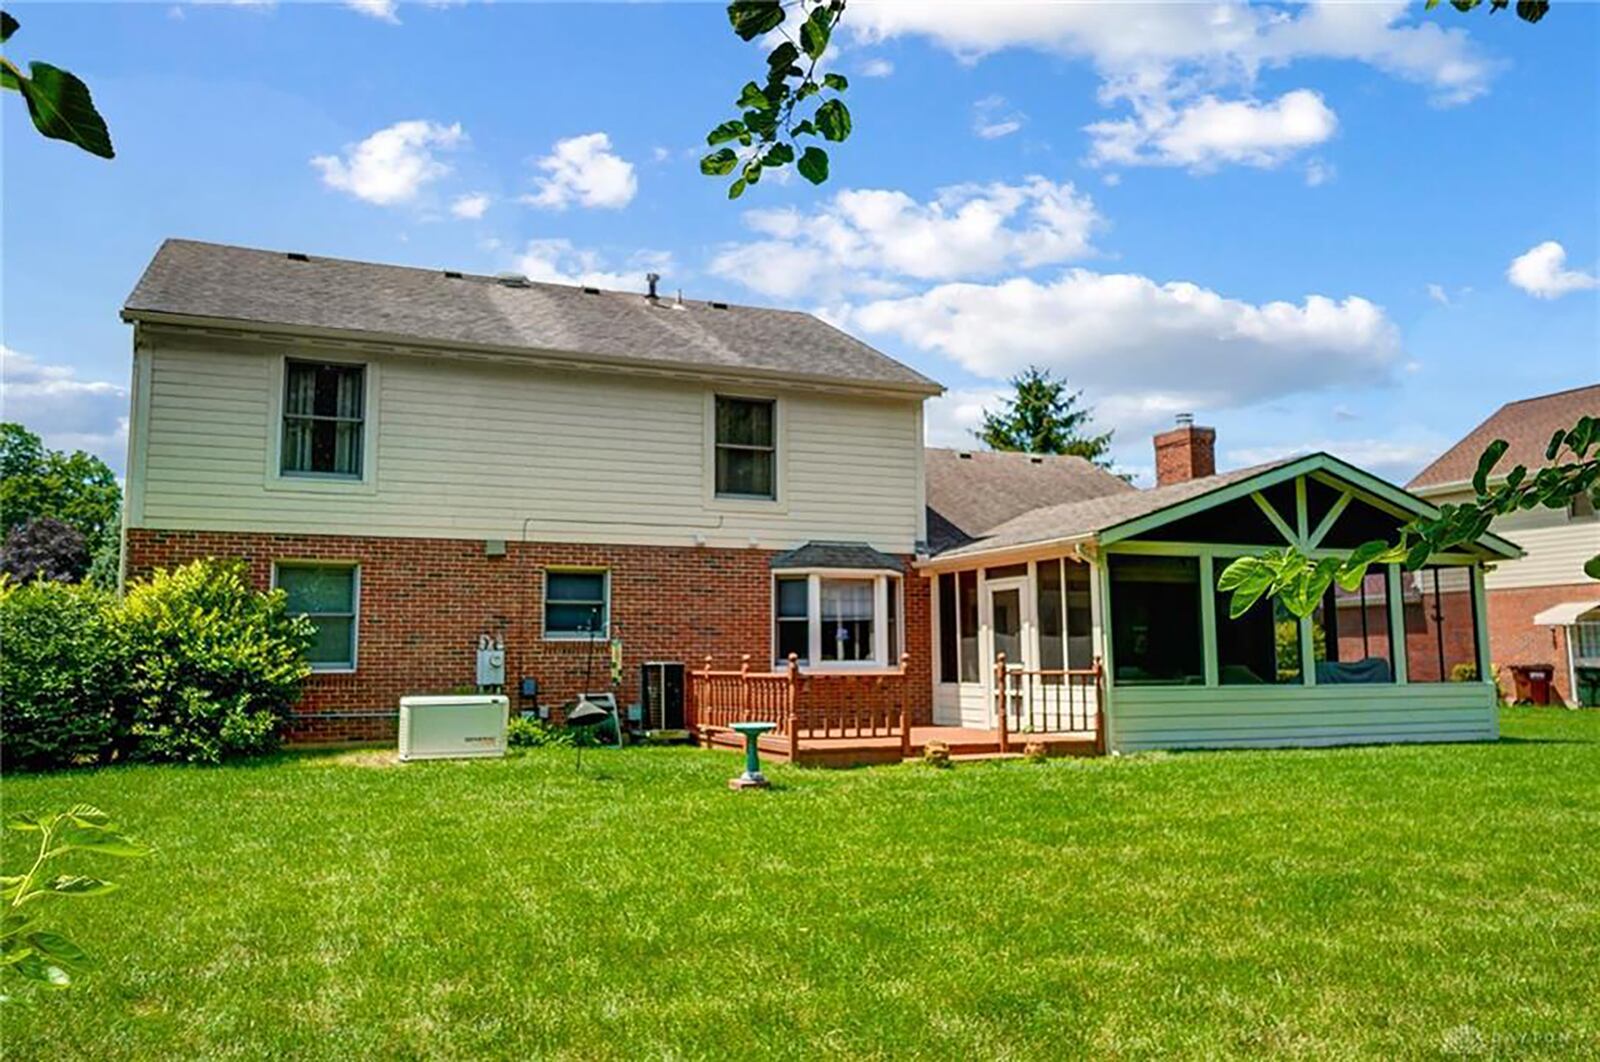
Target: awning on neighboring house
column 1566, row 614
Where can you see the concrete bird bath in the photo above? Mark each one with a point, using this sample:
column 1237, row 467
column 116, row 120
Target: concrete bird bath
column 752, row 778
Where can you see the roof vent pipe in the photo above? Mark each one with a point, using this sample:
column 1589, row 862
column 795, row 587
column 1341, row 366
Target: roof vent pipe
column 652, row 279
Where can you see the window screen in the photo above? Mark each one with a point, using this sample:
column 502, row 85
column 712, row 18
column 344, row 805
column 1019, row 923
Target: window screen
column 847, row 619
column 1441, row 625
column 746, row 447
column 1155, row 619
column 1350, row 633
column 323, row 418
column 794, row 631
column 947, row 627
column 325, row 594
column 967, row 602
column 576, row 604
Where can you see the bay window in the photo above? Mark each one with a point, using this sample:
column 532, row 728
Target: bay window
column 838, row 619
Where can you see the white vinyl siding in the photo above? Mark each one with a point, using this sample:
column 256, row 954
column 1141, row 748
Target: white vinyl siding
column 469, row 449
column 1557, row 546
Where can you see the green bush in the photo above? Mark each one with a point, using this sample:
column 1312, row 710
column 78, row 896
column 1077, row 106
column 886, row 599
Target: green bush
column 213, row 665
column 60, row 672
column 535, row 733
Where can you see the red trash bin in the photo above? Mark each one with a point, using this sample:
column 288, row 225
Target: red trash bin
column 1533, row 682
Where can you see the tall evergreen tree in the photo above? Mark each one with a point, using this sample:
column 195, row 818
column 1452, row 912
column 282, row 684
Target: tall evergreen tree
column 1043, row 417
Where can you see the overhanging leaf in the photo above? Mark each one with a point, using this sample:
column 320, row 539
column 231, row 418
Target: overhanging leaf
column 37, row 969
column 1486, row 462
column 813, row 165
column 78, row 885
column 719, row 163
column 62, row 109
column 1591, row 567
column 8, row 26
column 751, row 18
column 833, row 120
column 60, row 950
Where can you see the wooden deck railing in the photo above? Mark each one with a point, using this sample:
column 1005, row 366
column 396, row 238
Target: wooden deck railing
column 1049, row 701
column 804, row 707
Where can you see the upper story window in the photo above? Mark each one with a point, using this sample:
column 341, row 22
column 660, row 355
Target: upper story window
column 328, row 595
column 747, row 447
column 577, row 604
column 324, row 419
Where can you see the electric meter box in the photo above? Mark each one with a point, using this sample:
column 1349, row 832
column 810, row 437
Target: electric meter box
column 491, row 667
column 471, row 726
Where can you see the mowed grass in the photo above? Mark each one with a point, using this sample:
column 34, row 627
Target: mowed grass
column 1383, row 902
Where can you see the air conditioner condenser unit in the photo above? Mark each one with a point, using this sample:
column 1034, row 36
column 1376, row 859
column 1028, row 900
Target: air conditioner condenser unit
column 470, row 726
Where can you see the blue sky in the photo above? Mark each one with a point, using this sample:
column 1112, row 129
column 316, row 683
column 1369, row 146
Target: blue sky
column 1298, row 223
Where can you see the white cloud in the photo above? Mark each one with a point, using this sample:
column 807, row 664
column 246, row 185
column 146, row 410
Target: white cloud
column 951, row 418
column 1178, row 68
column 877, row 67
column 1395, row 460
column 1437, row 293
column 1319, row 173
column 471, row 206
column 861, row 240
column 392, row 165
column 583, row 170
column 382, row 10
column 1209, row 132
column 68, row 413
column 1143, row 349
column 1542, row 272
column 992, row 119
column 558, row 261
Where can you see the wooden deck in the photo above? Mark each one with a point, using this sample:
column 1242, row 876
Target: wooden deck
column 964, row 743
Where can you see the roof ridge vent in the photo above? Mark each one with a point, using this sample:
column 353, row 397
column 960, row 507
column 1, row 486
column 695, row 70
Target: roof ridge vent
column 717, row 305
column 512, row 280
column 452, row 274
column 591, row 291
column 297, row 256
column 1035, row 460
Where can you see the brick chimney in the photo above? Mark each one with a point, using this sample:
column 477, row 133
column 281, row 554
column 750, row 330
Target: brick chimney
column 1185, row 452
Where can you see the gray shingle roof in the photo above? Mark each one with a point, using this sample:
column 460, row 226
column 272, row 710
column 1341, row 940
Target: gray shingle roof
column 1526, row 424
column 1083, row 518
column 971, row 492
column 208, row 280
column 836, row 555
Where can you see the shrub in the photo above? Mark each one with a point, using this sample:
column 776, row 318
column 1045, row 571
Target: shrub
column 213, row 665
column 45, row 548
column 60, row 674
column 534, row 733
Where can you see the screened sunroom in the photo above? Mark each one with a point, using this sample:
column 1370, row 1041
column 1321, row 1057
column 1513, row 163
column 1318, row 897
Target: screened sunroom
column 1124, row 588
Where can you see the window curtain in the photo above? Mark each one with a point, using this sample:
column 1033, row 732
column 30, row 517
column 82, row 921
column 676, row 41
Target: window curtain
column 299, row 401
column 846, row 599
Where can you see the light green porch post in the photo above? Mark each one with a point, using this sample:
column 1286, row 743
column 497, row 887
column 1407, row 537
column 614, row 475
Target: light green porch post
column 1208, row 620
column 1395, row 592
column 1100, row 606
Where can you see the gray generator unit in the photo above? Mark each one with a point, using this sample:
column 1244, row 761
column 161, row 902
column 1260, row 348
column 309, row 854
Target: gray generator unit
column 469, row 726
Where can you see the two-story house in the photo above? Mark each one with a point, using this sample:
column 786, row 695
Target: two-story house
column 1544, row 613
column 605, row 483
column 423, row 458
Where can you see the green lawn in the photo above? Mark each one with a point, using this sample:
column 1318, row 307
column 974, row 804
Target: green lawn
column 1397, row 901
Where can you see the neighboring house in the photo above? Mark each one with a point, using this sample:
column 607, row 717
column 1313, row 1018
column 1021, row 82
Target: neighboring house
column 1544, row 612
column 423, row 460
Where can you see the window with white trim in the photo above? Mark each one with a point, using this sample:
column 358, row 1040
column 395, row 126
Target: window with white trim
column 838, row 620
column 328, row 595
column 577, row 603
column 324, row 419
column 747, row 447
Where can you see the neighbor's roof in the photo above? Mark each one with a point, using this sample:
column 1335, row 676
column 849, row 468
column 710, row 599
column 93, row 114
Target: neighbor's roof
column 188, row 279
column 836, row 555
column 971, row 492
column 1526, row 424
column 1081, row 519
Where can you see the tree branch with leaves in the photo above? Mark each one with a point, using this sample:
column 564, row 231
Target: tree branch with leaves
column 58, row 102
column 774, row 117
column 1299, row 581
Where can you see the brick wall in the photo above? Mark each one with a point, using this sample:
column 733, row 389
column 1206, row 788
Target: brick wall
column 424, row 603
column 1513, row 639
